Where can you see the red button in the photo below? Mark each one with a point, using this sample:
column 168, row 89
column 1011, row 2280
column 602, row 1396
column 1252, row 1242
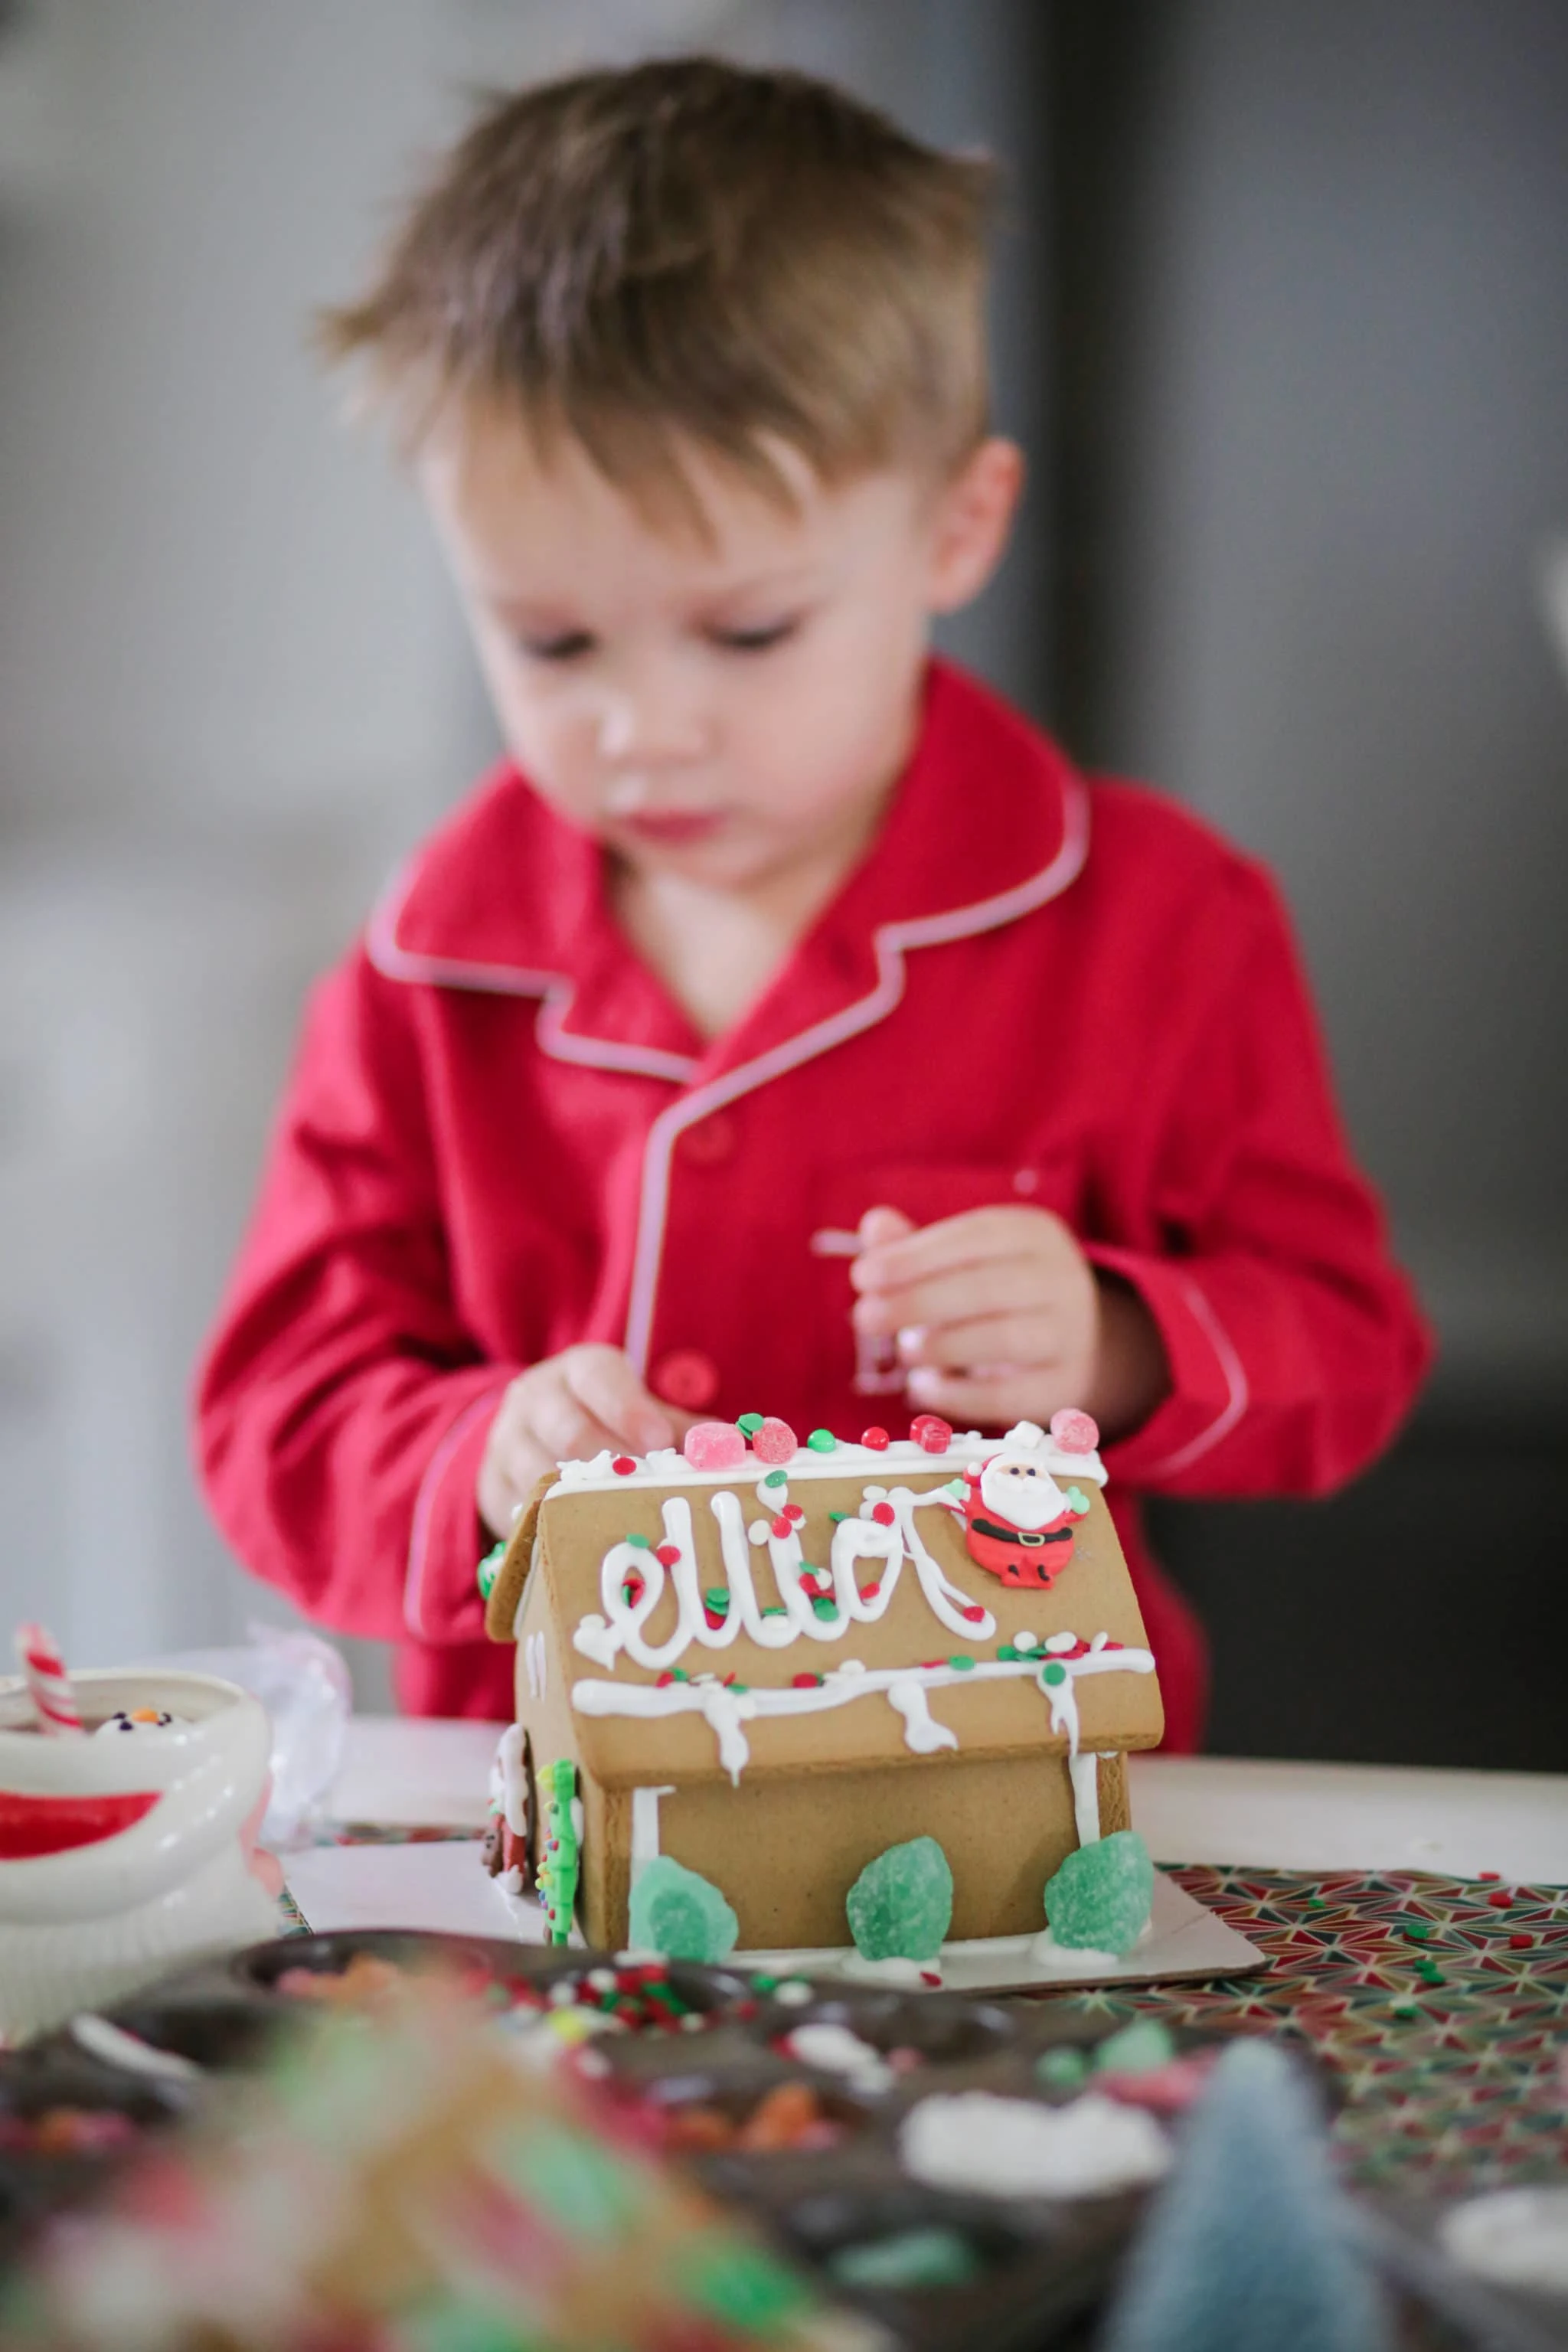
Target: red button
column 711, row 1141
column 687, row 1377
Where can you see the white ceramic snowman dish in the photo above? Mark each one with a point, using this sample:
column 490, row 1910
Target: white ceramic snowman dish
column 123, row 1855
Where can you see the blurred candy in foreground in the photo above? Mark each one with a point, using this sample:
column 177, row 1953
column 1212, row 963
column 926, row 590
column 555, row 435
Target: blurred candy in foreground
column 396, row 2184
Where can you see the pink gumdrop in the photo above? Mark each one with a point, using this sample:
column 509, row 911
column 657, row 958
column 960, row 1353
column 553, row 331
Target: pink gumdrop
column 775, row 1442
column 931, row 1433
column 1074, row 1431
column 714, row 1446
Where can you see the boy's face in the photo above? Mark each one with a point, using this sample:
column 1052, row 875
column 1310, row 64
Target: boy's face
column 727, row 706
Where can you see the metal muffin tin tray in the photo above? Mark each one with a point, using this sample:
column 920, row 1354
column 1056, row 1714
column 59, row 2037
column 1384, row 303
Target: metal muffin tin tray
column 1040, row 2267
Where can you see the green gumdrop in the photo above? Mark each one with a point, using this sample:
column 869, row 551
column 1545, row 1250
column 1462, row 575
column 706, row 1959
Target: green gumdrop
column 1065, row 2068
column 490, row 1568
column 933, row 2256
column 745, row 2286
column 900, row 1906
column 1098, row 1900
column 1141, row 2048
column 749, row 1424
column 677, row 1912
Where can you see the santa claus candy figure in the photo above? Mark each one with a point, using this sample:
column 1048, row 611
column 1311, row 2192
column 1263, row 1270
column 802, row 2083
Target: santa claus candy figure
column 1018, row 1523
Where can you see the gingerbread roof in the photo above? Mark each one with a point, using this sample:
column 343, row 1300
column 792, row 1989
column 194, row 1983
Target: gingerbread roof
column 830, row 1610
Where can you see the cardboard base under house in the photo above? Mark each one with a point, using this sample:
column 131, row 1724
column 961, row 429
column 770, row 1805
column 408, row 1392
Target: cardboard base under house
column 445, row 1887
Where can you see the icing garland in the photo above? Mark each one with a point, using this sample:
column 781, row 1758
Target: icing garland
column 729, row 1705
column 665, row 1466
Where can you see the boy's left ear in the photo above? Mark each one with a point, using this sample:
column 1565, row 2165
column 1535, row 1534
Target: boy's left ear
column 973, row 519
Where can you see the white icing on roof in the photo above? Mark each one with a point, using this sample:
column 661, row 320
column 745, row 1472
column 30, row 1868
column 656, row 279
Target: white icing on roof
column 667, row 1467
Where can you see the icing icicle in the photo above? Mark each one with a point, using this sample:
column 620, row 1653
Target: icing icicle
column 921, row 1731
column 728, row 1709
column 1084, row 1772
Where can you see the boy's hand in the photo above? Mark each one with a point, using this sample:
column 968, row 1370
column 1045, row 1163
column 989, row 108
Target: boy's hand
column 999, row 1317
column 566, row 1409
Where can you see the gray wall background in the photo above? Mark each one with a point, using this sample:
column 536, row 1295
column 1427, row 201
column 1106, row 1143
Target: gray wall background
column 1345, row 414
column 232, row 685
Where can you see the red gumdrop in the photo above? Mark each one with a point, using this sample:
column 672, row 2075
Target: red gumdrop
column 972, row 1615
column 884, row 1514
column 775, row 1442
column 931, row 1433
column 670, row 1554
column 623, row 1465
column 1075, row 1432
column 802, row 1681
column 781, row 1527
column 714, row 1446
column 869, row 1591
column 793, row 1514
column 877, row 1439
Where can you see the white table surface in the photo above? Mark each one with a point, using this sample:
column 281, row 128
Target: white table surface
column 1190, row 1808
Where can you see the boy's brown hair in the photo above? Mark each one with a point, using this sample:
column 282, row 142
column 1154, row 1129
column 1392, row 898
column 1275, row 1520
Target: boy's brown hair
column 687, row 250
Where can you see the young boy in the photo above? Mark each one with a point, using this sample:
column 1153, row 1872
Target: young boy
column 786, row 1026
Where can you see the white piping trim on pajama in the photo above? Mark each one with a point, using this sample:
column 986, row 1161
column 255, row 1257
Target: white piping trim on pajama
column 424, row 1504
column 892, row 942
column 556, row 992
column 1238, row 1391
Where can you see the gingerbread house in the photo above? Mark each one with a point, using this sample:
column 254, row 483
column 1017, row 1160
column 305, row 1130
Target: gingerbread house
column 773, row 1661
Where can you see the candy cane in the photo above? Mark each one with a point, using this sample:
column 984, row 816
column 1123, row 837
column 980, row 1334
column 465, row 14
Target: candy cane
column 49, row 1684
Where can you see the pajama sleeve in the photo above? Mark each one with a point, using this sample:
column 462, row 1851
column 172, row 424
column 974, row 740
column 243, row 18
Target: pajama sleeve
column 342, row 1408
column 1294, row 1341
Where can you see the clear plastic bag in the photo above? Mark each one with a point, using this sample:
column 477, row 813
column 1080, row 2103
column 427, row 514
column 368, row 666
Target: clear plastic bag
column 304, row 1686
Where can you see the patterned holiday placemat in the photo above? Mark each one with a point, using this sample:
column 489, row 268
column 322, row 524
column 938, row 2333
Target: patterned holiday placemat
column 1440, row 2006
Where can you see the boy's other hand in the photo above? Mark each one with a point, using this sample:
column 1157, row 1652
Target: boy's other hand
column 998, row 1316
column 566, row 1409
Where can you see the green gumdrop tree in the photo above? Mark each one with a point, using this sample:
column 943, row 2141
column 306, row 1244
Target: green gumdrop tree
column 1250, row 2247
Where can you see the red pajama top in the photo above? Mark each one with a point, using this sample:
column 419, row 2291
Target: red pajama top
column 502, row 1136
